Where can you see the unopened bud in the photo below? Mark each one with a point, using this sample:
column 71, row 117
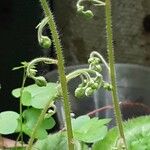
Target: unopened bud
column 79, row 92
column 40, row 81
column 88, row 14
column 45, row 42
column 89, row 91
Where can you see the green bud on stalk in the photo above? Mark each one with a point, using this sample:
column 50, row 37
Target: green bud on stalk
column 45, row 42
column 79, row 92
column 107, row 86
column 88, row 14
column 40, row 81
column 89, row 91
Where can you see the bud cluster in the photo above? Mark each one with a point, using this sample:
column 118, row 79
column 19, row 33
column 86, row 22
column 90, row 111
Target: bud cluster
column 91, row 84
column 94, row 64
column 87, row 88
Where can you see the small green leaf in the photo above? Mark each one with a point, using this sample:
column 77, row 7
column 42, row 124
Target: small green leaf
column 89, row 130
column 31, row 116
column 39, row 95
column 26, row 98
column 8, row 122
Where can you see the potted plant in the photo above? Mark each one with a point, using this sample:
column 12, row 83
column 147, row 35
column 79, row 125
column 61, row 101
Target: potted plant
column 39, row 100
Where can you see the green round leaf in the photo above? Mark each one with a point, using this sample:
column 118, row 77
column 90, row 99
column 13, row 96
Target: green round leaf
column 8, row 122
column 39, row 95
column 31, row 116
column 26, row 98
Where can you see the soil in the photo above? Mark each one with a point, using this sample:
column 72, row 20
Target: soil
column 8, row 143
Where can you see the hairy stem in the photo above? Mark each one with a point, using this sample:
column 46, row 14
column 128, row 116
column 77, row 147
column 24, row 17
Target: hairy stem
column 61, row 71
column 112, row 69
column 37, row 60
column 79, row 72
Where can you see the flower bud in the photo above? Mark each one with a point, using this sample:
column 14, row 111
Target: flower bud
column 95, row 86
column 89, row 91
column 79, row 92
column 45, row 42
column 107, row 86
column 33, row 72
column 98, row 68
column 40, row 81
column 88, row 14
column 90, row 60
column 94, row 60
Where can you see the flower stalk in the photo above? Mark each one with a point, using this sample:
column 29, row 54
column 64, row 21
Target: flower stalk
column 61, row 71
column 112, row 72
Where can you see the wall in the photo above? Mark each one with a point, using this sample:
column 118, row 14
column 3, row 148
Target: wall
column 80, row 36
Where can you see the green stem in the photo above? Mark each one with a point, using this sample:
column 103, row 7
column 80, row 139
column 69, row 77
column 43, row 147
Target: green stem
column 61, row 71
column 37, row 60
column 79, row 72
column 20, row 107
column 112, row 69
column 40, row 119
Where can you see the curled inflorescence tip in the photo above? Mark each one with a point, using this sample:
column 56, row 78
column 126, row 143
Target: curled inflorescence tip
column 44, row 41
column 87, row 13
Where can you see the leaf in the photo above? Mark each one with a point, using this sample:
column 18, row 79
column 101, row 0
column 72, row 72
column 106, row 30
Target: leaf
column 26, row 98
column 39, row 95
column 53, row 142
column 137, row 134
column 89, row 130
column 8, row 122
column 57, row 141
column 31, row 116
